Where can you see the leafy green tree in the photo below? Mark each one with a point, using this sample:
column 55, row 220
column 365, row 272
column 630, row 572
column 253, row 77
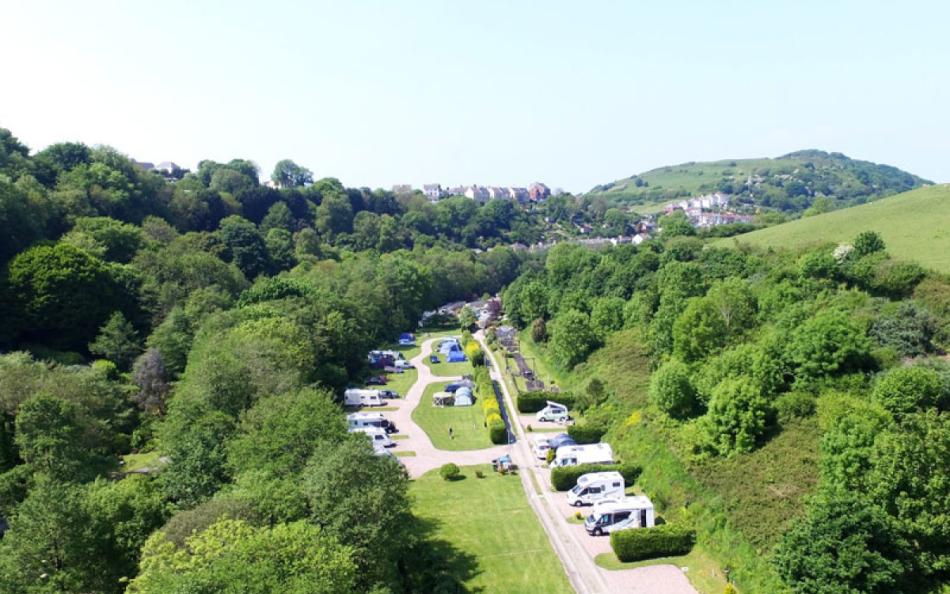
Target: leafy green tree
column 65, row 294
column 20, row 222
column 672, row 391
column 606, row 317
column 244, row 246
column 279, row 433
column 868, row 242
column 904, row 390
column 233, row 556
column 675, row 225
column 120, row 241
column 280, row 249
column 360, row 498
column 845, row 545
column 539, row 331
column 288, row 174
column 572, row 338
column 699, row 331
column 51, row 437
column 193, row 440
column 467, row 318
column 826, row 344
column 737, row 416
column 278, row 217
column 117, row 341
column 334, row 215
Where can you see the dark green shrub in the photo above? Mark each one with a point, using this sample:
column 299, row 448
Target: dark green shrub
column 497, row 431
column 450, row 472
column 565, row 478
column 530, row 402
column 795, row 405
column 649, row 543
column 587, row 432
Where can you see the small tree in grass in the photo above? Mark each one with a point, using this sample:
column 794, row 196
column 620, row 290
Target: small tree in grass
column 450, row 472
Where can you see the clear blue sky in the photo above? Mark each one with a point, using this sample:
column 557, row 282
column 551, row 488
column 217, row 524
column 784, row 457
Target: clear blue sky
column 489, row 92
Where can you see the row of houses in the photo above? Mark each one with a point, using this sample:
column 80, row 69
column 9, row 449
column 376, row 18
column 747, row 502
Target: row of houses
column 536, row 192
column 706, row 201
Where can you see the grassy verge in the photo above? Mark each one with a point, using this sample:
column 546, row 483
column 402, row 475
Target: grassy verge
column 467, row 423
column 490, row 519
column 404, row 453
column 702, row 571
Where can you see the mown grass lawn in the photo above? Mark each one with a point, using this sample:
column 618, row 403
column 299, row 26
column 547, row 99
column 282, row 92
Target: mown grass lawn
column 703, row 573
column 467, row 423
column 490, row 519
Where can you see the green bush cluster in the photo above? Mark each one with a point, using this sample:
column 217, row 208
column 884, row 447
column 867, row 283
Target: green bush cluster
column 497, row 431
column 530, row 402
column 649, row 543
column 564, row 478
column 589, row 432
column 449, row 472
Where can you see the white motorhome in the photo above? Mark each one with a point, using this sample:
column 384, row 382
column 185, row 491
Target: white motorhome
column 629, row 512
column 572, row 455
column 361, row 397
column 377, row 436
column 596, row 486
column 360, row 420
column 541, row 447
column 553, row 412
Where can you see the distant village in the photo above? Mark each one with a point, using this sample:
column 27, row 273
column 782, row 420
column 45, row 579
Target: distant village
column 536, row 192
column 708, row 210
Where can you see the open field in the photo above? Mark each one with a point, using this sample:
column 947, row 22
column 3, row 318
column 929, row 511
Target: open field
column 915, row 226
column 467, row 423
column 490, row 519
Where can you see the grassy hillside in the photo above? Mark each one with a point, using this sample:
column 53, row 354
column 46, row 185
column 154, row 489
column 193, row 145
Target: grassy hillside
column 915, row 226
column 792, row 182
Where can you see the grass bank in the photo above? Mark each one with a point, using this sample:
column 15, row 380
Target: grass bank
column 490, row 519
column 467, row 423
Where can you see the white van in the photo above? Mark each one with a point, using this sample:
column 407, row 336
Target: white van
column 629, row 512
column 377, row 436
column 596, row 486
column 360, row 420
column 403, row 364
column 553, row 412
column 361, row 397
column 541, row 447
column 572, row 455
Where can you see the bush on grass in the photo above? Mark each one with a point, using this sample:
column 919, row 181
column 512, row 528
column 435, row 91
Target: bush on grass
column 649, row 543
column 450, row 472
column 565, row 477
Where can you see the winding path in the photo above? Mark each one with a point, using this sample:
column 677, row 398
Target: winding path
column 428, row 457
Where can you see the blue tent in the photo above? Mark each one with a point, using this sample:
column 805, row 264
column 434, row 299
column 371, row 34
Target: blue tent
column 406, row 339
column 462, row 399
column 456, row 356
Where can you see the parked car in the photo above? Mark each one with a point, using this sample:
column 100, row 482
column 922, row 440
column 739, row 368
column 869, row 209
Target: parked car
column 554, row 411
column 388, row 394
column 434, row 359
column 376, row 380
column 403, row 364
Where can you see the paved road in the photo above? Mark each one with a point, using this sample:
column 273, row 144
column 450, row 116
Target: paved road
column 571, row 543
column 427, row 455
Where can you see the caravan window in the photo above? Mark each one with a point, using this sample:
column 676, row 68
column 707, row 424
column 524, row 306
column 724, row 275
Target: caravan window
column 616, row 484
column 621, row 516
column 594, row 490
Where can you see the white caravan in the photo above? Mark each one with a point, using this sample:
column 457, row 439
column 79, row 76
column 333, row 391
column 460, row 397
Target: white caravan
column 596, row 486
column 541, row 447
column 360, row 420
column 553, row 412
column 595, row 453
column 377, row 436
column 629, row 512
column 361, row 397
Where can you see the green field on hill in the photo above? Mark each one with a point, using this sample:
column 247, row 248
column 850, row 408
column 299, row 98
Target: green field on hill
column 915, row 226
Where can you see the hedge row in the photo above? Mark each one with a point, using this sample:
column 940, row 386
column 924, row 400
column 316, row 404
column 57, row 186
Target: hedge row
column 666, row 540
column 565, row 477
column 497, row 431
column 529, row 402
column 587, row 432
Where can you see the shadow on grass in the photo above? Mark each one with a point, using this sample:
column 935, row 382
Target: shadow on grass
column 456, row 478
column 435, row 565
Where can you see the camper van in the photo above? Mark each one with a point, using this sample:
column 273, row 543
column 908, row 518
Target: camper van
column 377, row 436
column 541, row 447
column 629, row 512
column 553, row 412
column 595, row 453
column 369, row 419
column 596, row 486
column 360, row 397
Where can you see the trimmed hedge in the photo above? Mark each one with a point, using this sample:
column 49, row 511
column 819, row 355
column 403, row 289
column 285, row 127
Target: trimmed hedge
column 530, row 402
column 637, row 544
column 497, row 431
column 565, row 477
column 587, row 432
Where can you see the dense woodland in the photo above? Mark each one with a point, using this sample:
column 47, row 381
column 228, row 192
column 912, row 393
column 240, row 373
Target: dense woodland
column 752, row 362
column 204, row 324
column 207, row 323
